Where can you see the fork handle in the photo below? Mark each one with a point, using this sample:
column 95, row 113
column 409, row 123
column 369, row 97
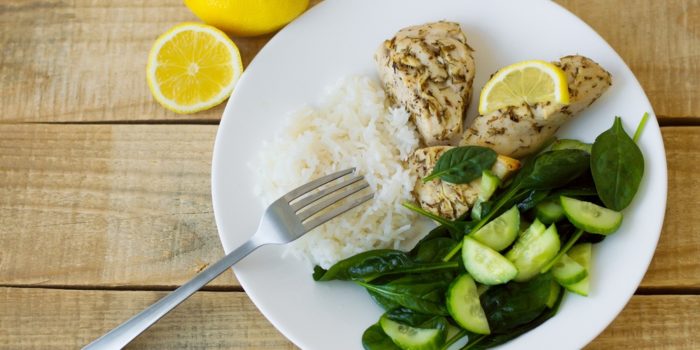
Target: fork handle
column 120, row 336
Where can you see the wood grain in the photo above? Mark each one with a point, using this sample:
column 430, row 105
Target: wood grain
column 676, row 263
column 83, row 60
column 654, row 322
column 32, row 318
column 44, row 318
column 660, row 41
column 128, row 206
column 106, row 205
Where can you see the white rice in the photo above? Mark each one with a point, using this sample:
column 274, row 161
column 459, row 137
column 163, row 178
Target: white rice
column 352, row 126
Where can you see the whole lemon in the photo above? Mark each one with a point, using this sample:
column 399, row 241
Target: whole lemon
column 247, row 17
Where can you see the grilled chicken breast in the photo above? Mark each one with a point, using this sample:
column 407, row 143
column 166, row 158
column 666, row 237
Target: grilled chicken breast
column 518, row 131
column 448, row 200
column 429, row 70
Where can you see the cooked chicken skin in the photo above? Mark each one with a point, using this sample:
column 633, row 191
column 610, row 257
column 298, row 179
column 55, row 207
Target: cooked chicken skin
column 429, row 70
column 518, row 131
column 448, row 200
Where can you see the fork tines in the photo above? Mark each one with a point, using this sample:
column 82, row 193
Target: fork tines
column 327, row 197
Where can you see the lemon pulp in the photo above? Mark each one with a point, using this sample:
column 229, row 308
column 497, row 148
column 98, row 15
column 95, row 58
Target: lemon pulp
column 528, row 82
column 193, row 67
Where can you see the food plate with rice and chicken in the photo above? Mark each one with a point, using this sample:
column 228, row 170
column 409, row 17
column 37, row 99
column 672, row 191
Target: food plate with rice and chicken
column 511, row 207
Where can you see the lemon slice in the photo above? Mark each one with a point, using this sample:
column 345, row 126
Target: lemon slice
column 193, row 67
column 530, row 82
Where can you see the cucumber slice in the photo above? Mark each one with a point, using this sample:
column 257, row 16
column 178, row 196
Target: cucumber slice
column 534, row 249
column 464, row 305
column 581, row 253
column 412, row 338
column 591, row 217
column 549, row 212
column 482, row 288
column 489, row 184
column 567, row 271
column 476, row 210
column 535, row 228
column 554, row 291
column 501, row 231
column 484, row 264
column 571, row 144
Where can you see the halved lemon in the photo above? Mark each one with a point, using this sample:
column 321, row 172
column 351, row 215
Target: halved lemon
column 530, row 82
column 193, row 67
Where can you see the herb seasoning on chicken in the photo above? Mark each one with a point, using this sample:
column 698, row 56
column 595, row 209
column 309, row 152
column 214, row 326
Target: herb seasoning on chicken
column 445, row 199
column 518, row 131
column 429, row 70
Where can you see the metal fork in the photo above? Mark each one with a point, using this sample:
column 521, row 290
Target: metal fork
column 285, row 220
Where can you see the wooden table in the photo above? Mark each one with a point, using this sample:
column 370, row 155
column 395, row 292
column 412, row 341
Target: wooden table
column 105, row 196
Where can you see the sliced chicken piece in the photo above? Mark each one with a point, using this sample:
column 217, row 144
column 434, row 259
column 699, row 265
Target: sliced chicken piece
column 518, row 131
column 448, row 200
column 429, row 70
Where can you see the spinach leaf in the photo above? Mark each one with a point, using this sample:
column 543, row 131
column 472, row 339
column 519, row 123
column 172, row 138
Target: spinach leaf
column 433, row 250
column 384, row 302
column 416, row 319
column 553, row 169
column 438, row 232
column 531, row 200
column 513, row 304
column 423, row 294
column 410, row 317
column 461, row 165
column 360, row 265
column 374, row 338
column 573, row 191
column 492, row 340
column 617, row 165
column 376, row 263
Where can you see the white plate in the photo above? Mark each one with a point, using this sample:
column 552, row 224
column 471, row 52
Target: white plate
column 336, row 39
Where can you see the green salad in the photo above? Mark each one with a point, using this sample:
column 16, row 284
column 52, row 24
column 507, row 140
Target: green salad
column 504, row 268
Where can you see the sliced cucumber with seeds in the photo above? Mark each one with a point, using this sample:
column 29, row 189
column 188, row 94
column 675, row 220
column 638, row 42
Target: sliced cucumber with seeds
column 591, row 217
column 567, row 271
column 486, row 265
column 412, row 338
column 489, row 184
column 535, row 248
column 581, row 253
column 501, row 231
column 571, row 144
column 464, row 305
column 549, row 212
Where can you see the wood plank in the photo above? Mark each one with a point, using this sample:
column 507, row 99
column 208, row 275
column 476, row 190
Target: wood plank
column 128, row 206
column 654, row 322
column 125, row 205
column 676, row 263
column 82, row 60
column 660, row 41
column 43, row 318
column 69, row 319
